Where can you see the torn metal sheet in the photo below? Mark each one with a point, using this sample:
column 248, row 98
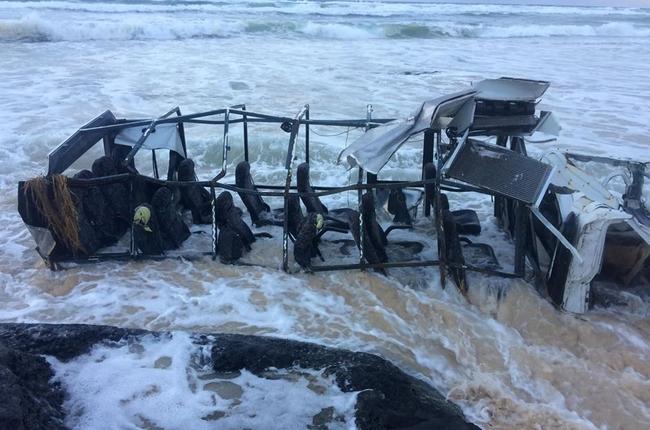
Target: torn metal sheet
column 164, row 136
column 373, row 150
column 572, row 178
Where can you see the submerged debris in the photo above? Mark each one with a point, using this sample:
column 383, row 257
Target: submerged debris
column 566, row 228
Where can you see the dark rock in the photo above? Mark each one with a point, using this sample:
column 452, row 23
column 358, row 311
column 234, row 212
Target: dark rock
column 27, row 400
column 388, row 398
column 321, row 420
column 63, row 341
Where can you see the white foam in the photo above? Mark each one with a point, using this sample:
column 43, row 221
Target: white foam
column 41, row 26
column 34, row 28
column 614, row 29
column 333, row 8
column 163, row 382
column 336, row 31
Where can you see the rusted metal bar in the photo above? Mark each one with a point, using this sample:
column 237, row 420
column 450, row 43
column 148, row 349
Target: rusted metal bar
column 285, row 225
column 214, row 223
column 307, row 135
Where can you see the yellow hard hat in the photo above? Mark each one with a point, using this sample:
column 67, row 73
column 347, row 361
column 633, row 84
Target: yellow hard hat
column 320, row 221
column 141, row 217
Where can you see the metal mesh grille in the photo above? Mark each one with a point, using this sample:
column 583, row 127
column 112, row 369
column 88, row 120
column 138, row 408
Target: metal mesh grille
column 500, row 170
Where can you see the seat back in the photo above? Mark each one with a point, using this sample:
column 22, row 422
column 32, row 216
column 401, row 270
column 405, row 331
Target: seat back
column 397, row 207
column 374, row 236
column 253, row 202
column 312, row 203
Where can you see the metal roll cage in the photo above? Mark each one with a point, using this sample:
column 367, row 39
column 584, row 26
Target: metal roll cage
column 433, row 152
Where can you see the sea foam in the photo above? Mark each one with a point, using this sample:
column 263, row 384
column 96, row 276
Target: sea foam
column 168, row 382
column 35, row 27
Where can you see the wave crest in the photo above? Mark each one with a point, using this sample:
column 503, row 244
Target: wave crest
column 33, row 28
column 330, row 8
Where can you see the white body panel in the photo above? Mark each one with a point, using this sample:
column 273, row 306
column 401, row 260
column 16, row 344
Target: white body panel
column 596, row 209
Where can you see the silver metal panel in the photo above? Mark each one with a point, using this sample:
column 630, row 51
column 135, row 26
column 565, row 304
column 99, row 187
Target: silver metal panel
column 510, row 89
column 500, row 171
column 165, row 136
column 373, row 150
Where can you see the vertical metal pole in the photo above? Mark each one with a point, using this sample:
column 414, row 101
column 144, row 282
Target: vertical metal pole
column 307, row 135
column 369, row 111
column 360, row 208
column 108, row 143
column 427, row 157
column 634, row 191
column 181, row 133
column 226, row 146
column 132, row 249
column 155, row 164
column 174, row 158
column 518, row 144
column 214, row 223
column 499, row 201
column 245, row 134
column 440, row 229
column 287, row 187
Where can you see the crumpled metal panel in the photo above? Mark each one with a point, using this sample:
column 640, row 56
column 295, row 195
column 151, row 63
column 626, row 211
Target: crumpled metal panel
column 373, row 150
column 573, row 178
column 165, row 136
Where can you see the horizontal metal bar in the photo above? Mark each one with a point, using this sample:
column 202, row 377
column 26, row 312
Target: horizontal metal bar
column 460, row 187
column 483, row 270
column 293, row 187
column 138, row 123
column 120, row 256
column 85, row 183
column 252, row 117
column 333, row 267
column 425, row 263
column 321, row 191
column 213, row 122
column 281, row 194
column 104, row 180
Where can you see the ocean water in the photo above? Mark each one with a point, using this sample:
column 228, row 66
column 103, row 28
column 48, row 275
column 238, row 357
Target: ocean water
column 507, row 356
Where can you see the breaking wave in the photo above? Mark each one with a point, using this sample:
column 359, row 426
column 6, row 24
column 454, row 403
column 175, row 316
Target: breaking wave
column 34, row 28
column 330, row 8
